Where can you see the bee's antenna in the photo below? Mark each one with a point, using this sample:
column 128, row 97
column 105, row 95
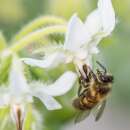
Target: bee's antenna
column 105, row 71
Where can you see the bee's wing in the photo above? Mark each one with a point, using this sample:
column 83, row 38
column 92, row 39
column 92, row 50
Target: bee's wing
column 81, row 115
column 99, row 110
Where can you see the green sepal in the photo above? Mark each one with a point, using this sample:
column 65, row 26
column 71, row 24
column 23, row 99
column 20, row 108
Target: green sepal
column 4, row 68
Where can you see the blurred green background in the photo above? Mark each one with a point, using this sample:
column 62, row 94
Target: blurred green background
column 115, row 53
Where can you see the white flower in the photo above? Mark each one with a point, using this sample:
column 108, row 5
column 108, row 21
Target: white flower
column 46, row 92
column 17, row 90
column 20, row 92
column 81, row 39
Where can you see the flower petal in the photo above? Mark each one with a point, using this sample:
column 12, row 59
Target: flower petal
column 107, row 15
column 4, row 96
column 76, row 35
column 93, row 23
column 48, row 101
column 62, row 85
column 102, row 20
column 50, row 61
column 17, row 81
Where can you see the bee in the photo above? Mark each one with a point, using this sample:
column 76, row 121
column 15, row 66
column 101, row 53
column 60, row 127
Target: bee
column 93, row 91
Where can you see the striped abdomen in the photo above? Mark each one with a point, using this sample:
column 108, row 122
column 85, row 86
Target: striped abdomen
column 91, row 98
column 85, row 102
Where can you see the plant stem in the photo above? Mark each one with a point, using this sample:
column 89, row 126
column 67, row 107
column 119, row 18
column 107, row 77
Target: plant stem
column 34, row 36
column 37, row 23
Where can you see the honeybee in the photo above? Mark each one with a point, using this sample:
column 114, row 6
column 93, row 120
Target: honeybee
column 93, row 91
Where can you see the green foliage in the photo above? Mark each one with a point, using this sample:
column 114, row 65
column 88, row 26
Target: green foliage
column 3, row 43
column 4, row 68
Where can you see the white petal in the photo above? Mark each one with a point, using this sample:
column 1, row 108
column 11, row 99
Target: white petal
column 4, row 102
column 4, row 97
column 93, row 23
column 17, row 79
column 88, row 61
column 50, row 61
column 107, row 15
column 94, row 50
column 48, row 101
column 101, row 20
column 76, row 34
column 33, row 62
column 62, row 85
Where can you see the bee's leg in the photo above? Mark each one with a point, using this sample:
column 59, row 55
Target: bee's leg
column 105, row 70
column 86, row 70
column 84, row 92
column 82, row 77
column 79, row 90
column 80, row 86
column 83, row 81
column 93, row 75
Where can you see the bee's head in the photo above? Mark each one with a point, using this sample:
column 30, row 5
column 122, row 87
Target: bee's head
column 104, row 77
column 107, row 78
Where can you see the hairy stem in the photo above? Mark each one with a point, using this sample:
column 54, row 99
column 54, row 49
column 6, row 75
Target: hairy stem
column 34, row 36
column 36, row 24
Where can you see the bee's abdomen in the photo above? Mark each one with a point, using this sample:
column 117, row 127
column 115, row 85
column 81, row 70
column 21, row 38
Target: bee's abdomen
column 89, row 102
column 85, row 103
column 78, row 105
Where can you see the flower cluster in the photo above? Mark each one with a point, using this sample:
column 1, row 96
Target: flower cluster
column 81, row 43
column 19, row 93
column 81, row 39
